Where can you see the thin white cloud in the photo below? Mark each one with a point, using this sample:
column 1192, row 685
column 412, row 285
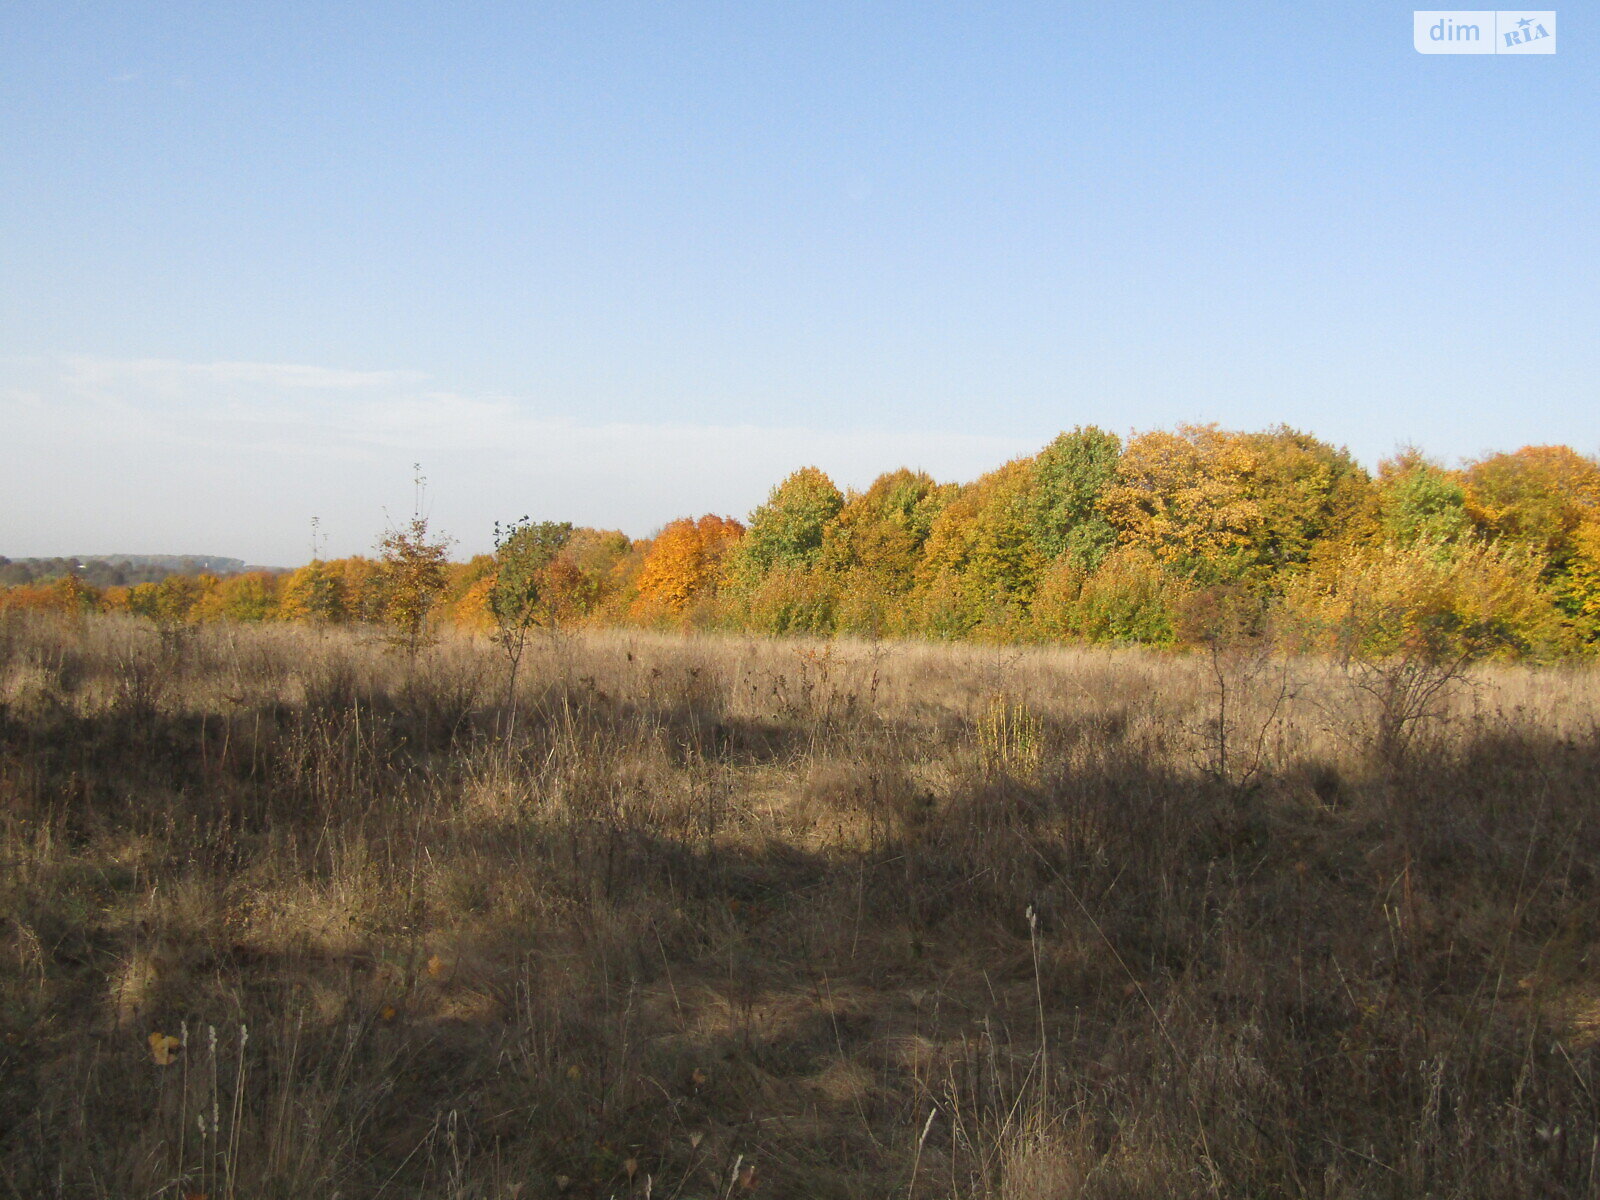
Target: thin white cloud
column 291, row 376
column 230, row 457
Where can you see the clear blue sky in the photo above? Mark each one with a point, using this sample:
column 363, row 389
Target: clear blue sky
column 622, row 262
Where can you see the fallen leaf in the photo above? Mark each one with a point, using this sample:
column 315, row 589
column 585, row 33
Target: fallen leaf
column 387, row 1013
column 163, row 1047
column 435, row 966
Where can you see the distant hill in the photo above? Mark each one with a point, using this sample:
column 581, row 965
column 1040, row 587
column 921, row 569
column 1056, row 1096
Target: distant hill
column 111, row 570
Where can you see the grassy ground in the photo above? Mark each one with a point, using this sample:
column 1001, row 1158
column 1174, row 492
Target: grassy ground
column 721, row 918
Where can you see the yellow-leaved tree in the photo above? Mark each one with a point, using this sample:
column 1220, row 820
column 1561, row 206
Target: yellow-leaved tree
column 872, row 548
column 413, row 560
column 981, row 562
column 1185, row 497
column 1406, row 621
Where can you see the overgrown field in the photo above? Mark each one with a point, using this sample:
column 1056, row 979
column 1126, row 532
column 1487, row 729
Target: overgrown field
column 286, row 914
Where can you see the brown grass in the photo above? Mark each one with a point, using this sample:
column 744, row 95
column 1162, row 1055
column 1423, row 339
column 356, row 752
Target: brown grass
column 731, row 918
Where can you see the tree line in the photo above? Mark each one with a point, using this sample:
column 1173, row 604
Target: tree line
column 1166, row 538
column 114, row 570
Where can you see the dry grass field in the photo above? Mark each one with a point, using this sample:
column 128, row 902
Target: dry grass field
column 283, row 914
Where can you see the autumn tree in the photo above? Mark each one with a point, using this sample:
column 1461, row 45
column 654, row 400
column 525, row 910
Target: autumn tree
column 519, row 597
column 874, row 545
column 413, row 562
column 596, row 552
column 467, row 594
column 1406, row 621
column 362, row 586
column 252, row 596
column 314, row 593
column 1128, row 597
column 590, row 580
column 1579, row 591
column 1185, row 497
column 684, row 564
column 1306, row 493
column 1536, row 497
column 1219, row 507
column 67, row 596
column 980, row 564
column 171, row 604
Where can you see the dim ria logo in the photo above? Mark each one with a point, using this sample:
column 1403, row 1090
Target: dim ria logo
column 1484, row 32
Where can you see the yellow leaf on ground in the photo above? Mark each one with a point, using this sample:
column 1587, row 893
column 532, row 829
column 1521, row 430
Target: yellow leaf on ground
column 163, row 1048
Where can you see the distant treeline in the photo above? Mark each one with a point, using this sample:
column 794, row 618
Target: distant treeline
column 1171, row 537
column 114, row 570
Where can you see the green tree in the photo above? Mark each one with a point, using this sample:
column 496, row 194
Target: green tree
column 1419, row 501
column 1069, row 476
column 519, row 597
column 787, row 530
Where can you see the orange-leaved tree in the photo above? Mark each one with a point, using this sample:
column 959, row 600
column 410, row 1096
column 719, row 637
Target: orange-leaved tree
column 683, row 565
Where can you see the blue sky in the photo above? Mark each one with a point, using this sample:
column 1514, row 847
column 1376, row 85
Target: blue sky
column 623, row 262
